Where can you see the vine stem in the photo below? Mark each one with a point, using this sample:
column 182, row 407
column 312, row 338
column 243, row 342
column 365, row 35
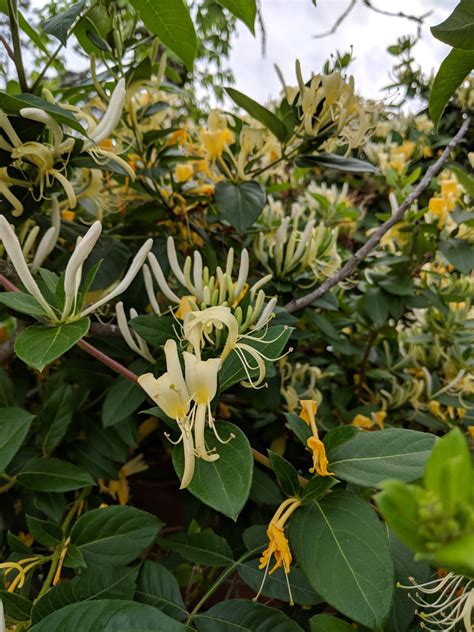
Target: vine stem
column 372, row 242
column 219, row 581
column 15, row 31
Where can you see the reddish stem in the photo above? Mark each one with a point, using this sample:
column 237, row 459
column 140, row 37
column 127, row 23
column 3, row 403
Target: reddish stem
column 108, row 361
column 8, row 285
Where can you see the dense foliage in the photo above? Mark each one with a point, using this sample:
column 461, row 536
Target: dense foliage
column 237, row 387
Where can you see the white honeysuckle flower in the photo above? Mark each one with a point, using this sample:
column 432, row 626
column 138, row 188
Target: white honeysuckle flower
column 187, row 399
column 132, row 338
column 3, row 625
column 73, row 273
column 445, row 603
column 198, row 327
column 13, row 248
column 205, row 289
column 35, row 114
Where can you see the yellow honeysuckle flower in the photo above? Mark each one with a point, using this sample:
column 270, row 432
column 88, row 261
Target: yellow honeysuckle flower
column 278, row 546
column 179, row 137
column 183, row 171
column 147, row 427
column 120, row 489
column 367, row 423
column 309, row 408
column 22, row 567
column 186, row 305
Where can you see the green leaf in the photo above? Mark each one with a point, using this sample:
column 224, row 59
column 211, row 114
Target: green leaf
column 264, row 490
column 107, row 583
column 169, row 20
column 122, row 399
column 458, row 28
column 271, row 344
column 157, row 587
column 333, row 161
column 55, row 417
column 343, row 549
column 460, row 253
column 44, row 532
column 115, row 535
column 246, row 616
column 457, row 556
column 53, row 475
column 39, row 345
column 452, row 72
column 59, row 25
column 6, row 390
column 240, row 204
column 286, row 474
column 224, row 484
column 205, row 548
column 108, row 615
column 261, row 114
column 153, row 328
column 23, row 303
column 13, row 104
column 372, row 457
column 326, row 623
column 14, row 426
column 463, row 177
column 275, row 585
column 376, row 305
column 16, row 606
column 245, row 10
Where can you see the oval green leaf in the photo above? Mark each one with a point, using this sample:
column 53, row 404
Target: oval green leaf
column 53, row 475
column 224, row 484
column 245, row 616
column 240, row 204
column 343, row 549
column 14, row 426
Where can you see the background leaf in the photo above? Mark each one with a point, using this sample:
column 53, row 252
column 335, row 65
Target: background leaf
column 458, row 28
column 452, row 72
column 260, row 113
column 14, row 426
column 333, row 161
column 170, row 21
column 114, row 535
column 240, row 204
column 158, row 587
column 53, row 475
column 246, row 616
column 245, row 10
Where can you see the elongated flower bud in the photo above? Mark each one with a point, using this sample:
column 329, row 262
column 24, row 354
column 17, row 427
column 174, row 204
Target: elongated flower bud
column 72, row 276
column 173, row 259
column 150, row 290
column 112, row 115
column 243, row 272
column 137, row 263
column 13, row 248
column 49, row 239
column 160, row 279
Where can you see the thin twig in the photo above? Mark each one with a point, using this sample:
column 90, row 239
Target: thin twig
column 374, row 239
column 338, row 22
column 15, row 32
column 397, row 14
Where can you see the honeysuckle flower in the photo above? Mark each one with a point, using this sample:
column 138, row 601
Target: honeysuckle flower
column 209, row 290
column 131, row 337
column 6, row 183
column 171, row 394
column 298, row 381
column 309, row 408
column 73, row 273
column 278, row 547
column 445, row 603
column 120, row 489
column 304, row 255
column 22, row 568
column 367, row 423
column 49, row 239
column 111, row 116
column 216, row 140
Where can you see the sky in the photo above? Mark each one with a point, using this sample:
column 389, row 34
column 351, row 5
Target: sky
column 291, row 24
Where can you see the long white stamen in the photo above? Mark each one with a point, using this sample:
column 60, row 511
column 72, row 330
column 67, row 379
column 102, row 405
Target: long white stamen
column 13, row 248
column 137, row 263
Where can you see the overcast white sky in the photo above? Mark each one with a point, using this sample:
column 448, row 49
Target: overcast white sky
column 290, row 25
